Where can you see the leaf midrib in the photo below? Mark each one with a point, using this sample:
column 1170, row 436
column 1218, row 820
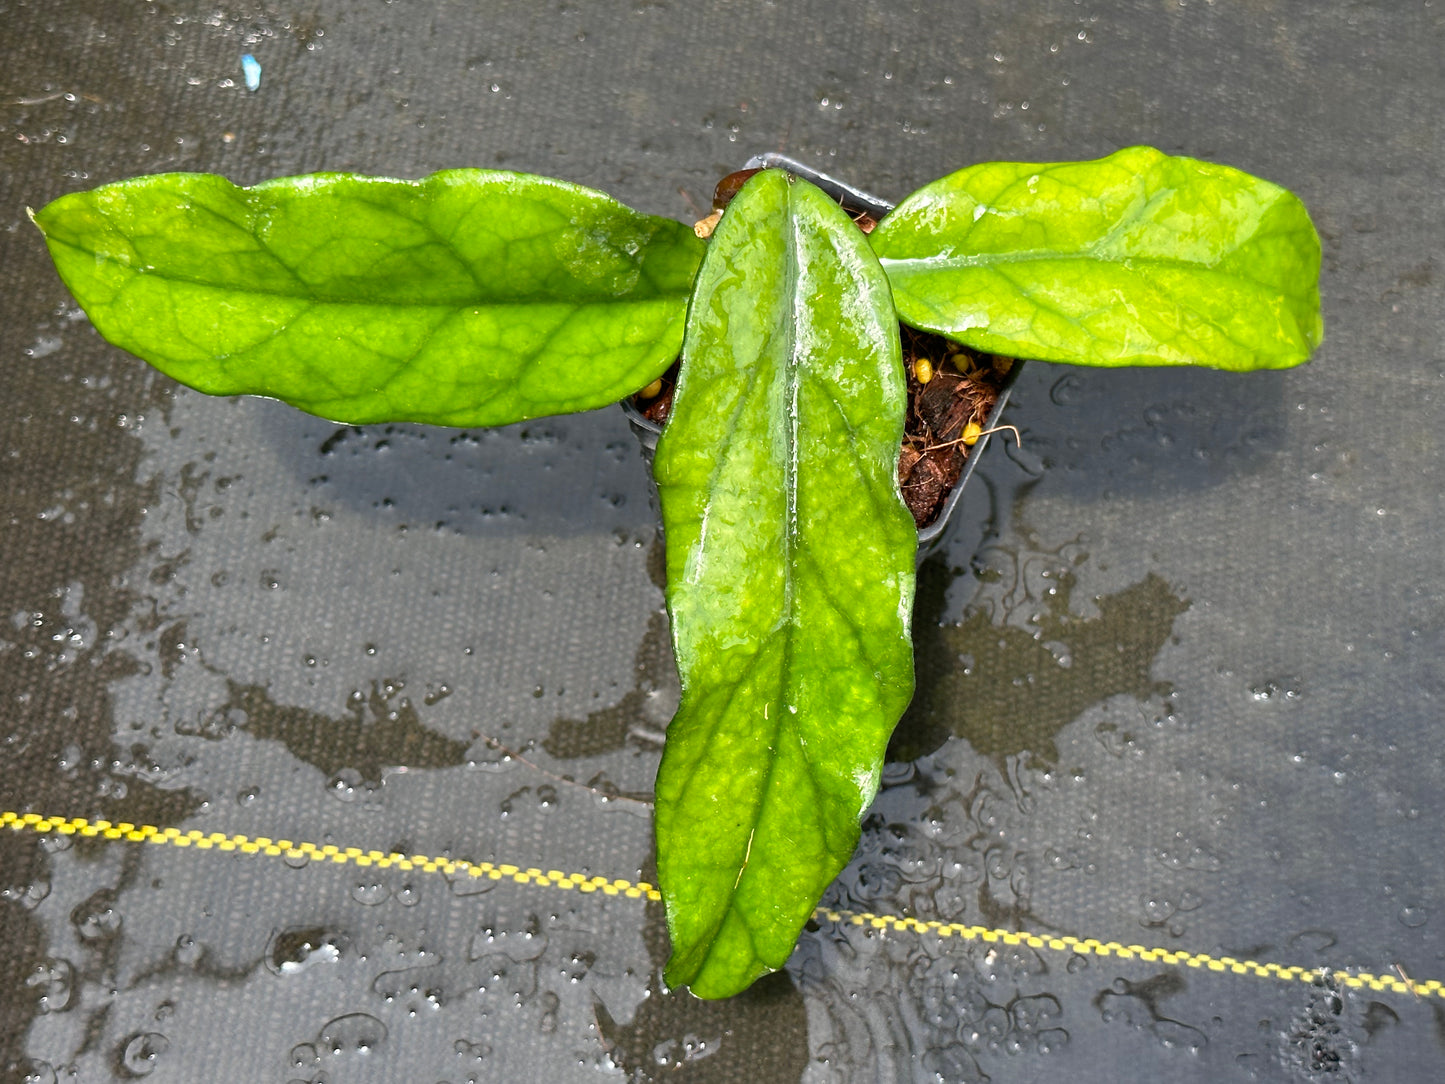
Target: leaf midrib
column 784, row 626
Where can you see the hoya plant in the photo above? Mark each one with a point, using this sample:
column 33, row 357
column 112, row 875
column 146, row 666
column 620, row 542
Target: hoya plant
column 479, row 298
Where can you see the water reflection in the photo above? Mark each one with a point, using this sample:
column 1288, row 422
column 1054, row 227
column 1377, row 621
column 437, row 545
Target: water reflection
column 761, row 1034
column 1009, row 690
column 380, row 729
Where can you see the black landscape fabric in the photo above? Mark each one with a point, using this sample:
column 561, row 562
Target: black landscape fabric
column 1181, row 661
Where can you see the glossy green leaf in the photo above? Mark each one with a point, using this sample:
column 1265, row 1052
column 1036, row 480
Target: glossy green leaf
column 471, row 297
column 790, row 564
column 1134, row 259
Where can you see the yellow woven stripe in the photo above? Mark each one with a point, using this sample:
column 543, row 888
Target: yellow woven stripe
column 1088, row 946
column 286, row 848
column 553, row 878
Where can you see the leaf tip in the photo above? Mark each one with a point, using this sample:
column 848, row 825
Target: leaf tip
column 709, row 980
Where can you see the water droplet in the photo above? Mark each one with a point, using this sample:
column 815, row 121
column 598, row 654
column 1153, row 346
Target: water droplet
column 304, row 1056
column 298, row 947
column 140, row 1053
column 1414, row 916
column 518, row 945
column 1156, row 909
column 1052, row 1041
column 1184, row 853
column 354, row 1033
column 1033, row 1014
column 578, row 964
column 97, row 919
column 346, row 785
column 550, row 1003
column 30, row 895
column 1058, row 860
column 476, row 1051
column 188, row 950
column 1266, row 691
column 35, row 1072
column 370, row 893
column 54, row 980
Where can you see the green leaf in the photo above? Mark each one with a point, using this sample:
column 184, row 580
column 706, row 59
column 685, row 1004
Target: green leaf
column 468, row 298
column 790, row 567
column 1134, row 259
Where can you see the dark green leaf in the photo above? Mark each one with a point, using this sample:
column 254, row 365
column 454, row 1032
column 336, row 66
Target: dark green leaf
column 1135, row 259
column 467, row 298
column 789, row 579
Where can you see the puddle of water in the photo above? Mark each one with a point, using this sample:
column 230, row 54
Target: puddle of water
column 1009, row 686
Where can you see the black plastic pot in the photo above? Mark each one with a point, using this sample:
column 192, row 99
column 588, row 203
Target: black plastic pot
column 854, row 200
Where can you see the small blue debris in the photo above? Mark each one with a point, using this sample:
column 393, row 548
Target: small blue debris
column 251, row 68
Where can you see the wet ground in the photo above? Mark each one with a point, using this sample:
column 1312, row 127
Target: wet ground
column 1180, row 665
